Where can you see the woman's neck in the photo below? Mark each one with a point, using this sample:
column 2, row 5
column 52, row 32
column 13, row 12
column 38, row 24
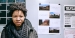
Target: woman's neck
column 18, row 27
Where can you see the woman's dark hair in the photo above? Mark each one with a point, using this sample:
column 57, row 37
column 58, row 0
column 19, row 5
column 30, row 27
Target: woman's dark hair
column 18, row 6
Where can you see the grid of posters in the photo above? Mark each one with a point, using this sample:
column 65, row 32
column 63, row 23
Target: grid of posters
column 69, row 16
column 49, row 18
column 69, row 33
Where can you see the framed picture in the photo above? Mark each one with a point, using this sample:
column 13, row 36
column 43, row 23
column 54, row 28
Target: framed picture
column 44, row 7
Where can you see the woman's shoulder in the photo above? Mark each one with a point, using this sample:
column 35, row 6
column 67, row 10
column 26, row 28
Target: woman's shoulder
column 7, row 25
column 27, row 22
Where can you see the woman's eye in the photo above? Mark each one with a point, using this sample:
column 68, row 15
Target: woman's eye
column 21, row 16
column 14, row 16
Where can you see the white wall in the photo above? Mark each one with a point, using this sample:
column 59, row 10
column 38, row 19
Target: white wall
column 32, row 6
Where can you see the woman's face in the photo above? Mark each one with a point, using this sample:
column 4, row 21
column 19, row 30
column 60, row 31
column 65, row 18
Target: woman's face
column 18, row 17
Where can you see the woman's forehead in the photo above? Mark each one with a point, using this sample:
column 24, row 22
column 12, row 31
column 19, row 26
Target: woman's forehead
column 16, row 12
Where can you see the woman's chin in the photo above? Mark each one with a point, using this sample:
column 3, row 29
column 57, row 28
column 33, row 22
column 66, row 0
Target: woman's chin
column 18, row 24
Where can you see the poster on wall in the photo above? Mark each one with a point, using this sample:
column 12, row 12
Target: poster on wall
column 49, row 18
column 69, row 16
column 69, row 33
column 44, row 7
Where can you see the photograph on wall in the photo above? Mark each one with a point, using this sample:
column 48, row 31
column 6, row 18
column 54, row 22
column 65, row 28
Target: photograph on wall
column 54, row 15
column 2, row 6
column 43, row 22
column 44, row 6
column 54, row 29
column 2, row 1
column 2, row 20
column 69, row 33
column 69, row 16
column 2, row 13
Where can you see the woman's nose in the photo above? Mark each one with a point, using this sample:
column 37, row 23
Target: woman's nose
column 18, row 18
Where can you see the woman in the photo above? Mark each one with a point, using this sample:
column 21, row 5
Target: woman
column 19, row 26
